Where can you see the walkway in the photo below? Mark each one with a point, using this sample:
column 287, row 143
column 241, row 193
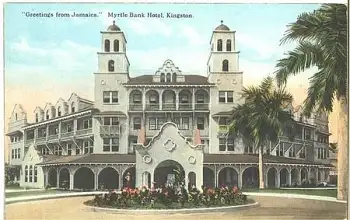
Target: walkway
column 271, row 208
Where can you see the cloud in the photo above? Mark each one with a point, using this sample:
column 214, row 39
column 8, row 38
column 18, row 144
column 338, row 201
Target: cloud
column 22, row 46
column 191, row 34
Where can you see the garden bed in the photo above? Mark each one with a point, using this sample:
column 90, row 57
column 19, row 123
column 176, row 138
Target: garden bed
column 169, row 198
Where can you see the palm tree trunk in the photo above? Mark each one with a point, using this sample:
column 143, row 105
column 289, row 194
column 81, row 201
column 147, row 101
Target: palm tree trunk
column 343, row 149
column 261, row 170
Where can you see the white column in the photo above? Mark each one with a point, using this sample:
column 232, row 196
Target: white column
column 160, row 100
column 46, row 177
column 96, row 181
column 240, row 179
column 120, row 180
column 278, row 176
column 177, row 100
column 186, row 180
column 299, row 177
column 75, row 126
column 289, row 178
column 71, row 181
column 58, row 179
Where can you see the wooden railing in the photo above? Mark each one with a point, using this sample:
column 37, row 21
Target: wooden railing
column 110, row 129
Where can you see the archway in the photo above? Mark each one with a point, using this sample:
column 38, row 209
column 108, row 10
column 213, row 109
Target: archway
column 129, row 178
column 53, row 177
column 295, row 177
column 84, row 178
column 312, row 176
column 228, row 177
column 251, row 177
column 208, row 177
column 168, row 172
column 192, row 180
column 284, row 177
column 108, row 178
column 304, row 176
column 64, row 178
column 271, row 177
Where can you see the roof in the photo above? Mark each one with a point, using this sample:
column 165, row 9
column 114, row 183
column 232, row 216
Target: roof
column 189, row 80
column 223, row 113
column 254, row 158
column 111, row 113
column 222, row 27
column 89, row 158
column 113, row 27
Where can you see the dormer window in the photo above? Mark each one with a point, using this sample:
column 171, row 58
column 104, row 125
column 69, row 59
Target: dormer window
column 107, row 46
column 162, row 77
column 47, row 115
column 116, row 45
column 59, row 113
column 168, row 77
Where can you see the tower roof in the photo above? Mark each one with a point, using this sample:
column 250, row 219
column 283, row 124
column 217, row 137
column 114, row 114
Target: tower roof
column 222, row 27
column 113, row 27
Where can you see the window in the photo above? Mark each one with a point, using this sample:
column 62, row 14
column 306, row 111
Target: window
column 16, row 116
column 174, row 77
column 87, row 124
column 307, row 134
column 59, row 111
column 111, row 65
column 72, row 107
column 26, row 174
column 230, row 145
column 110, row 97
column 153, row 99
column 86, row 147
column 185, row 123
column 110, row 144
column 168, row 77
column 30, row 173
column 152, row 123
column 225, row 65
column 248, row 149
column 107, row 45
column 292, row 152
column 36, row 117
column 160, row 122
column 222, row 144
column 225, row 96
column 137, row 98
column 19, row 153
column 69, row 149
column 77, row 150
column 69, row 127
column 116, row 46
column 13, row 154
column 200, row 123
column 302, row 153
column 137, row 123
column 162, row 77
column 228, row 45
column 219, row 45
column 200, row 98
column 35, row 174
column 184, row 99
column 47, row 115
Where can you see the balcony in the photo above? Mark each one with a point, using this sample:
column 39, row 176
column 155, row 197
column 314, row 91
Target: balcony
column 84, row 131
column 223, row 130
column 169, row 106
column 40, row 140
column 135, row 107
column 28, row 142
column 52, row 137
column 152, row 106
column 202, row 106
column 67, row 134
column 185, row 106
column 110, row 130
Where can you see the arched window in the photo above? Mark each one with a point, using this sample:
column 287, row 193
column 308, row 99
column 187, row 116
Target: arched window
column 59, row 113
column 72, row 108
column 174, row 77
column 107, row 46
column 16, row 116
column 26, row 174
column 228, row 45
column 36, row 117
column 162, row 77
column 47, row 115
column 116, row 46
column 219, row 46
column 111, row 65
column 168, row 77
column 225, row 65
column 35, row 174
column 30, row 173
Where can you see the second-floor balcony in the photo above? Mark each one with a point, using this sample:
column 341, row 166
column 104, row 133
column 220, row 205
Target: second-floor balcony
column 185, row 106
column 67, row 134
column 135, row 106
column 84, row 131
column 152, row 106
column 40, row 140
column 110, row 130
column 201, row 106
column 169, row 106
column 52, row 137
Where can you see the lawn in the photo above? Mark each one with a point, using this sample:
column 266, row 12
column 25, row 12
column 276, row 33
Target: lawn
column 314, row 192
column 33, row 193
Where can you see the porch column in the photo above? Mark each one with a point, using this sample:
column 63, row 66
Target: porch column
column 58, row 179
column 160, row 100
column 215, row 177
column 240, row 179
column 177, row 100
column 277, row 180
column 96, row 181
column 186, row 181
column 46, row 177
column 316, row 175
column 289, row 178
column 299, row 176
column 266, row 178
column 152, row 180
column 71, row 181
column 120, row 181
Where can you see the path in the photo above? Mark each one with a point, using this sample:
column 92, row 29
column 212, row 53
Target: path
column 270, row 208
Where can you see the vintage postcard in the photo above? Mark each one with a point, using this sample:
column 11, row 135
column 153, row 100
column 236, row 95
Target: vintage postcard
column 175, row 111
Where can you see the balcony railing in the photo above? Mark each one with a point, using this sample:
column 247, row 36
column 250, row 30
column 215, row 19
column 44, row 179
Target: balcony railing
column 202, row 106
column 52, row 137
column 223, row 128
column 84, row 131
column 185, row 106
column 135, row 107
column 152, row 106
column 169, row 106
column 67, row 134
column 40, row 140
column 110, row 129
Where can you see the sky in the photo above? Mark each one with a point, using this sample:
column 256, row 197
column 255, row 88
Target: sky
column 48, row 58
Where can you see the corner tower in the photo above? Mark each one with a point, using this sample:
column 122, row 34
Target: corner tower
column 113, row 70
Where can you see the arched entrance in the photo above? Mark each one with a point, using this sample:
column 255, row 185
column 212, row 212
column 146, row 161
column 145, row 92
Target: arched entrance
column 84, row 178
column 64, row 178
column 168, row 171
column 284, row 177
column 53, row 177
column 271, row 177
column 129, row 178
column 208, row 177
column 295, row 177
column 228, row 177
column 192, row 180
column 108, row 178
column 251, row 177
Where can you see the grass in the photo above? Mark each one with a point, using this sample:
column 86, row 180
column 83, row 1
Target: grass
column 32, row 193
column 314, row 192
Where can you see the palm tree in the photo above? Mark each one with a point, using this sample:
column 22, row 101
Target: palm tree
column 322, row 42
column 263, row 117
